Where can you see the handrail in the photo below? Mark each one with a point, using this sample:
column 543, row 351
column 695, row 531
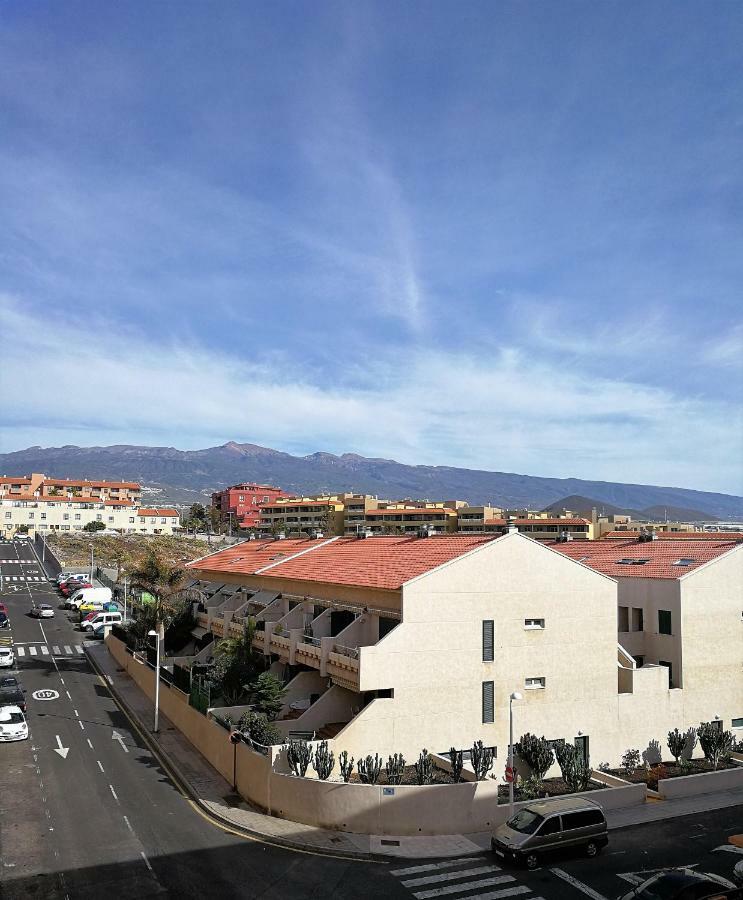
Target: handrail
column 353, row 652
column 313, row 641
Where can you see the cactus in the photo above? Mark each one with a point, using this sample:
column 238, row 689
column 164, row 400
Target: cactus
column 716, row 744
column 299, row 756
column 424, row 768
column 536, row 753
column 456, row 757
column 370, row 769
column 676, row 743
column 324, row 761
column 395, row 768
column 482, row 760
column 575, row 770
column 346, row 766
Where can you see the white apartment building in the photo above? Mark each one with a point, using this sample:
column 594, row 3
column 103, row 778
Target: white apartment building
column 393, row 644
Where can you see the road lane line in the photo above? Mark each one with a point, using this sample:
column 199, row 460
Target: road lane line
column 449, row 876
column 61, row 679
column 100, row 766
column 69, row 695
column 578, row 885
column 89, row 744
column 80, row 723
column 76, row 713
column 430, row 867
column 42, row 633
column 128, row 824
column 146, row 861
column 114, row 793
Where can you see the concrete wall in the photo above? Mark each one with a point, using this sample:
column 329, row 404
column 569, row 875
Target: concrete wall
column 692, row 785
column 651, row 595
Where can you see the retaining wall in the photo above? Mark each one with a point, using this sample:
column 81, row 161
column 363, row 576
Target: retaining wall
column 707, row 783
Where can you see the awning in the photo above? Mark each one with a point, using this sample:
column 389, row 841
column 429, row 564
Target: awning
column 198, row 632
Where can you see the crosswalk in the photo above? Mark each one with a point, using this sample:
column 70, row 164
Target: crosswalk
column 48, row 650
column 24, row 578
column 461, row 879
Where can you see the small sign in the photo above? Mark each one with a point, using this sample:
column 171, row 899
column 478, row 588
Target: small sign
column 46, row 694
column 388, row 792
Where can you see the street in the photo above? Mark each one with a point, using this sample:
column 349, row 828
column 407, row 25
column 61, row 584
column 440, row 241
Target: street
column 86, row 810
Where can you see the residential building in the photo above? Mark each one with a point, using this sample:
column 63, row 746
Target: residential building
column 404, row 519
column 306, row 514
column 392, row 644
column 241, row 503
column 546, row 528
column 473, row 518
column 40, row 504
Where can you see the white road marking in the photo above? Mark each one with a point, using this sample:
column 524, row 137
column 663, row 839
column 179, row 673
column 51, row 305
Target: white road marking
column 578, row 885
column 449, row 876
column 89, row 744
column 128, row 824
column 78, row 648
column 113, row 792
column 100, row 766
column 502, row 894
column 32, row 651
column 729, row 848
column 69, row 695
column 146, row 861
column 55, row 650
column 80, row 723
column 21, row 651
column 429, row 867
column 44, row 650
column 43, row 633
column 468, row 886
column 68, row 649
column 76, row 713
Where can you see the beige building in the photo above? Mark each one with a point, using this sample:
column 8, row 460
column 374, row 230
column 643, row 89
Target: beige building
column 392, row 644
column 324, row 515
column 38, row 504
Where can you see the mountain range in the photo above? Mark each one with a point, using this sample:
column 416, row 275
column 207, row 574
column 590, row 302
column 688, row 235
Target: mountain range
column 185, row 476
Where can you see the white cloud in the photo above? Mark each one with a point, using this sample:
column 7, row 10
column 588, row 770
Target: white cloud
column 507, row 413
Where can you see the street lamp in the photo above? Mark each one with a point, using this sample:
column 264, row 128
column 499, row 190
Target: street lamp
column 156, row 634
column 514, row 696
column 91, row 563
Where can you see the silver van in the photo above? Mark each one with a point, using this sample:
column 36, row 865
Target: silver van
column 546, row 826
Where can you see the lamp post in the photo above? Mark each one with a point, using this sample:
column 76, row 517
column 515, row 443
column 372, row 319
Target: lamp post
column 514, row 696
column 91, row 563
column 156, row 635
column 125, row 598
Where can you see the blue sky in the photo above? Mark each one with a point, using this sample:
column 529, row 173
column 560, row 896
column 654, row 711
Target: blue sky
column 499, row 235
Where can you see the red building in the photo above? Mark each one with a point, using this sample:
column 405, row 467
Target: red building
column 243, row 501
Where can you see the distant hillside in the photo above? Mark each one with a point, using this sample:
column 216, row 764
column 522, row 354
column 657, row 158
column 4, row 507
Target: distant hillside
column 202, row 471
column 584, row 505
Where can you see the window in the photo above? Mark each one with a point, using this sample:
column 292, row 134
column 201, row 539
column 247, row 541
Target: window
column 535, row 684
column 65, row 527
column 488, row 702
column 66, row 517
column 43, row 515
column 623, row 619
column 738, row 723
column 131, row 520
column 556, row 742
column 163, row 521
column 632, row 561
column 488, row 640
column 8, row 515
column 582, row 819
column 533, row 623
column 99, row 518
column 550, row 826
column 110, row 518
column 685, row 561
column 30, row 515
column 638, row 621
column 664, row 621
column 669, row 666
column 77, row 517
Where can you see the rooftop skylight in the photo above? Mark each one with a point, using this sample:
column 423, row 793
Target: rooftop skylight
column 685, row 561
column 630, row 561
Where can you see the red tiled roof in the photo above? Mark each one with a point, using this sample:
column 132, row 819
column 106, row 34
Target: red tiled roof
column 250, row 556
column 158, row 512
column 677, row 535
column 604, row 556
column 376, row 562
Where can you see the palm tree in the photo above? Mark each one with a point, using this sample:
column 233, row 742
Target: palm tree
column 164, row 583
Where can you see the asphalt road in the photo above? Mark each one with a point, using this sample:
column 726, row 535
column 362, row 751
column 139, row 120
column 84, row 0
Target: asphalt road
column 102, row 818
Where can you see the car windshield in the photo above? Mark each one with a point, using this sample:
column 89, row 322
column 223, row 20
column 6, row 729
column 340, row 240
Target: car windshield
column 525, row 821
column 665, row 887
column 15, row 719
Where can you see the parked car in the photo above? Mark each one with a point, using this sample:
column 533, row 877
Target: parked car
column 4, row 620
column 66, row 576
column 13, row 726
column 3, row 609
column 9, row 681
column 101, row 619
column 7, row 658
column 69, row 590
column 685, row 884
column 13, row 696
column 42, row 611
column 84, row 595
column 545, row 826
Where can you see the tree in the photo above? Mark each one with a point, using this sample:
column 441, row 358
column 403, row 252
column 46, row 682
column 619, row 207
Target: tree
column 237, row 665
column 164, row 583
column 267, row 695
column 94, row 526
column 715, row 743
column 197, row 512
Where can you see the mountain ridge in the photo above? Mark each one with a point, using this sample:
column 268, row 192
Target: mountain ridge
column 213, row 468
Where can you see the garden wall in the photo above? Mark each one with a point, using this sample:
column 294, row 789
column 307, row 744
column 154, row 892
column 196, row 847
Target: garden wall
column 707, row 783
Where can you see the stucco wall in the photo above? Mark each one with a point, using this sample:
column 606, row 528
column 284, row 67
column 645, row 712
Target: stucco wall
column 692, row 785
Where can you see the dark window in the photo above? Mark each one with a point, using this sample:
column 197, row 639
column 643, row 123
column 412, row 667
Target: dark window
column 668, row 665
column 664, row 621
column 581, row 819
column 550, row 826
column 633, row 561
column 639, row 661
column 488, row 637
column 488, row 710
column 738, row 723
column 623, row 619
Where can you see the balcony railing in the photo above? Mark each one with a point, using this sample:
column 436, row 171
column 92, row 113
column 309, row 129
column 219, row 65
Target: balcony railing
column 351, row 652
column 312, row 641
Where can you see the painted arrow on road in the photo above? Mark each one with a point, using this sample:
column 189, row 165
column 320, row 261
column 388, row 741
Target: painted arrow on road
column 63, row 751
column 115, row 736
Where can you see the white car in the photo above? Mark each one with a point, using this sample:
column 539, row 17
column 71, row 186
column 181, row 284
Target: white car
column 68, row 576
column 7, row 658
column 13, row 725
column 43, row 611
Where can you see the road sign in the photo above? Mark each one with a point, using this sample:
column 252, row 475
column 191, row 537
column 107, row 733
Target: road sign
column 509, row 774
column 46, row 694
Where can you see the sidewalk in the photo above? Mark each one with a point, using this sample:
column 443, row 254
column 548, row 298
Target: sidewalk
column 198, row 780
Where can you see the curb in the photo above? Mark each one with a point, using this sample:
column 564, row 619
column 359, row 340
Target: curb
column 187, row 789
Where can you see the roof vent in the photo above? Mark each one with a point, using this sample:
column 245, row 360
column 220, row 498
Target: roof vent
column 564, row 537
column 251, row 537
column 362, row 532
column 646, row 535
column 426, row 531
column 280, row 536
column 316, row 534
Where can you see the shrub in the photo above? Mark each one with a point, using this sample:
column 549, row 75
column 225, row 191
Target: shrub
column 256, row 727
column 604, row 767
column 536, row 753
column 267, row 695
column 630, row 761
column 676, row 743
column 531, row 787
column 575, row 770
column 716, row 744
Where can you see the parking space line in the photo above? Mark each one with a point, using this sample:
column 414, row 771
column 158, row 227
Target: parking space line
column 578, row 885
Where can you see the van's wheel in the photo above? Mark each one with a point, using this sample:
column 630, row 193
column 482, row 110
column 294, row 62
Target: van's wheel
column 592, row 849
column 531, row 860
